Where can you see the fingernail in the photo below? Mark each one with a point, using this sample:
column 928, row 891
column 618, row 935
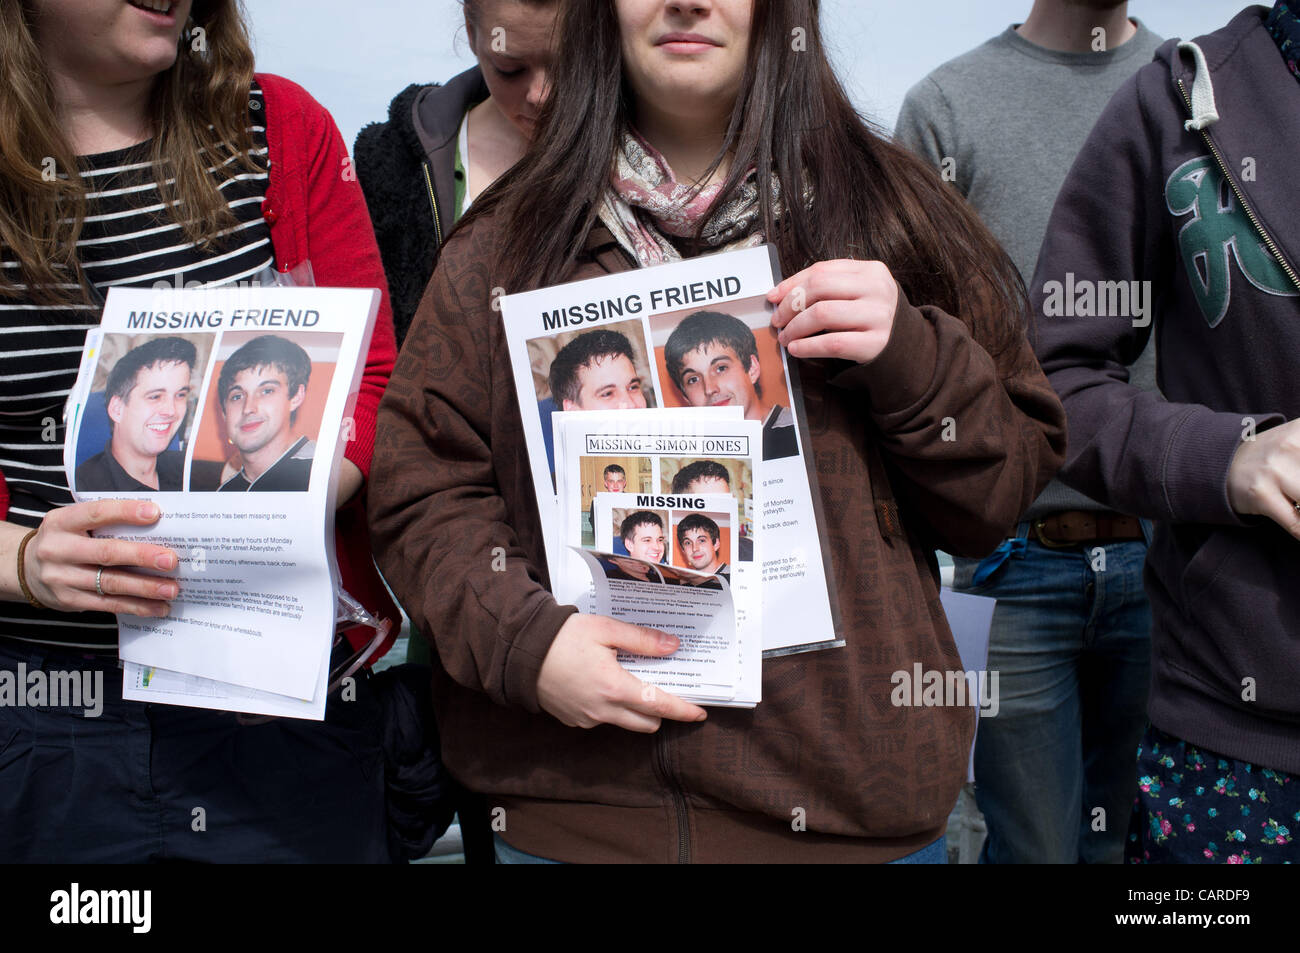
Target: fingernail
column 148, row 511
column 667, row 643
column 165, row 561
column 167, row 592
column 703, row 715
column 164, row 611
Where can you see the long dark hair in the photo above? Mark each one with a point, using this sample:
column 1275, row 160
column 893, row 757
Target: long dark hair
column 792, row 120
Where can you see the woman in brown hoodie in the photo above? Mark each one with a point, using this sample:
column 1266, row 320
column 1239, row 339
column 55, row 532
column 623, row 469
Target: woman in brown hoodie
column 675, row 129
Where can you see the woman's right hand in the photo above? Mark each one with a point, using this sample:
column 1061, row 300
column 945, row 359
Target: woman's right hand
column 582, row 684
column 1264, row 476
column 62, row 561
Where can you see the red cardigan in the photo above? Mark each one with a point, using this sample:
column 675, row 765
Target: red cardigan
column 317, row 213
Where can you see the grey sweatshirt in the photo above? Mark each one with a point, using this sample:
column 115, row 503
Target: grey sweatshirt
column 1150, row 200
column 1004, row 122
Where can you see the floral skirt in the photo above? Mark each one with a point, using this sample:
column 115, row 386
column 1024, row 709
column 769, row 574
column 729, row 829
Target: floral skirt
column 1195, row 806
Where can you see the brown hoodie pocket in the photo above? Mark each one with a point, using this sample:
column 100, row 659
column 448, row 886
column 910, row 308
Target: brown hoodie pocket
column 888, row 518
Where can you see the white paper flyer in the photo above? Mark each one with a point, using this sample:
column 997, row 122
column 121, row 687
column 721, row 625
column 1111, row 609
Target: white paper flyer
column 671, row 562
column 230, row 408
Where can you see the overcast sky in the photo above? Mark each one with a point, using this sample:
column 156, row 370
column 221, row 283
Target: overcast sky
column 354, row 57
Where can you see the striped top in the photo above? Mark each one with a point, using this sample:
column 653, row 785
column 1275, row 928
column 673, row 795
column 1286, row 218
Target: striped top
column 128, row 240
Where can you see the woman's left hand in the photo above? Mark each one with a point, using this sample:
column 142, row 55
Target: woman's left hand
column 839, row 309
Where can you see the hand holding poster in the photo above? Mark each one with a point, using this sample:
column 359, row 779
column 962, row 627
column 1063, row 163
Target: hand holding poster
column 205, row 401
column 694, row 335
column 669, row 562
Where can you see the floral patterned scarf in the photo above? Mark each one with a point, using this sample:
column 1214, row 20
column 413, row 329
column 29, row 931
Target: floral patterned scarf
column 645, row 207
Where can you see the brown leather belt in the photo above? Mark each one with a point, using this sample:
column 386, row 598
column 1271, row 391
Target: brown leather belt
column 1074, row 527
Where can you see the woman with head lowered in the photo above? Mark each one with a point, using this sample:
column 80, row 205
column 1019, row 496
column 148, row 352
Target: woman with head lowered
column 442, row 145
column 675, row 129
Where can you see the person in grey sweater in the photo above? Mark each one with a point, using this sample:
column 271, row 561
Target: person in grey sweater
column 1070, row 634
column 1186, row 187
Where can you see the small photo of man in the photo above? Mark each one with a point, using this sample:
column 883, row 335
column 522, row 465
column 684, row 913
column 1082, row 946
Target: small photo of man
column 715, row 358
column 685, row 477
column 642, row 534
column 604, row 368
column 147, row 409
column 600, row 474
column 614, row 478
column 263, row 412
column 700, row 544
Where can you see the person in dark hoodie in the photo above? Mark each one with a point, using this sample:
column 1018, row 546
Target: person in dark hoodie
column 443, row 145
column 1179, row 217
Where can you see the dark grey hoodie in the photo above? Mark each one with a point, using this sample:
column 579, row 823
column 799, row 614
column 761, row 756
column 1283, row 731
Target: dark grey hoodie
column 1188, row 182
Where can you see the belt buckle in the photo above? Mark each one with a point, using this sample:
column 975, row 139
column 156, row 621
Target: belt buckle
column 1049, row 543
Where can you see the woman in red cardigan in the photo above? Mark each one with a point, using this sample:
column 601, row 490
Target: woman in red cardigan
column 175, row 163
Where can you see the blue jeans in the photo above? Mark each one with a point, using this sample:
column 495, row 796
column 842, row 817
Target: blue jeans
column 1071, row 643
column 936, row 853
column 513, row 855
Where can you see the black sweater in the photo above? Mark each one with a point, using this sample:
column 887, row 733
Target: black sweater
column 406, row 167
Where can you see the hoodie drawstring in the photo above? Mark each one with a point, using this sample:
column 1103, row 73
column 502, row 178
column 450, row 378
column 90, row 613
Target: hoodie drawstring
column 1204, row 112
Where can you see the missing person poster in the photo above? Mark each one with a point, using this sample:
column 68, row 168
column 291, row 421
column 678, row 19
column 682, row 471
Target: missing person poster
column 670, row 562
column 691, row 335
column 230, row 409
column 678, row 458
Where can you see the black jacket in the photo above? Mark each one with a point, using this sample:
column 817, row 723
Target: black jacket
column 406, row 167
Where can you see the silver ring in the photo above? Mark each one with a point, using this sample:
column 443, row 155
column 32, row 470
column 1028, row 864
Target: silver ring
column 99, row 578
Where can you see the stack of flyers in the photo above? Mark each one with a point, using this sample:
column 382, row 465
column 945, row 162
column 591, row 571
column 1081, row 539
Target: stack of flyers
column 692, row 340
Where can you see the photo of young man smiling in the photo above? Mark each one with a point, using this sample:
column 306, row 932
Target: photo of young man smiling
column 148, row 397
